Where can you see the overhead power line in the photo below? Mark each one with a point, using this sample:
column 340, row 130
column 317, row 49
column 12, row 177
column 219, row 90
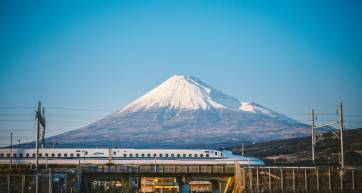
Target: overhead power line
column 15, row 120
column 112, row 110
column 17, row 107
column 15, row 114
column 80, row 109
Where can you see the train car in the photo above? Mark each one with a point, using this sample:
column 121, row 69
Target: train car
column 64, row 156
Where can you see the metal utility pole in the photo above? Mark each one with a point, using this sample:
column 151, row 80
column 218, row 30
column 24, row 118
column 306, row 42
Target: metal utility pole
column 43, row 130
column 37, row 141
column 314, row 139
column 11, row 150
column 40, row 122
column 341, row 134
column 39, row 116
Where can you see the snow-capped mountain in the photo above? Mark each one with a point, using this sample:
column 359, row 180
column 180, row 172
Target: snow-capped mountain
column 184, row 111
column 185, row 93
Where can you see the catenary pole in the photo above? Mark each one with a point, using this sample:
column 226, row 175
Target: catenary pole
column 313, row 136
column 341, row 134
column 11, row 150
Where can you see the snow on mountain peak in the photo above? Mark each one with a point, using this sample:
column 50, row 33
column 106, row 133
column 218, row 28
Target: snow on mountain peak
column 255, row 108
column 190, row 93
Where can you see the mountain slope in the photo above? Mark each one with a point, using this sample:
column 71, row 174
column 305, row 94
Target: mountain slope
column 185, row 112
column 298, row 150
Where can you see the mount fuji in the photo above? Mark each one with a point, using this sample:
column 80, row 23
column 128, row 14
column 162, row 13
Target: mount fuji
column 183, row 111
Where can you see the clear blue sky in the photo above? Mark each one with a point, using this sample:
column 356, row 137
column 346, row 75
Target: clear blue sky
column 290, row 56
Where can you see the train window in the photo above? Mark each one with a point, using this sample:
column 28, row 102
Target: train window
column 27, row 155
column 183, row 155
column 53, row 155
column 221, row 154
column 46, row 155
column 71, row 155
column 86, row 152
column 136, row 155
column 14, row 154
column 130, row 155
column 78, row 155
column 65, row 155
column 215, row 152
column 33, row 154
column 8, row 155
column 1, row 155
column 114, row 153
column 124, row 155
column 59, row 155
column 21, row 155
column 207, row 155
column 195, row 155
column 166, row 155
column 178, row 155
column 154, row 155
column 160, row 155
column 201, row 155
column 190, row 155
column 143, row 155
column 40, row 155
column 172, row 155
column 148, row 155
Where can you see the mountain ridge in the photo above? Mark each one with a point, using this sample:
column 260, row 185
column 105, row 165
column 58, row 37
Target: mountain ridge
column 184, row 111
column 298, row 150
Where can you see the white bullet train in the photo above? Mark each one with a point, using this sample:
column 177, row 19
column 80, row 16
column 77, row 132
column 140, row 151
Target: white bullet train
column 72, row 156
